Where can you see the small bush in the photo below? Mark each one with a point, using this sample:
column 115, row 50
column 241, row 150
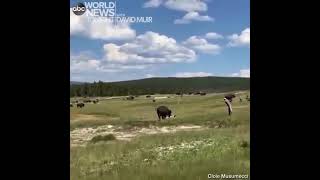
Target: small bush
column 98, row 138
column 244, row 144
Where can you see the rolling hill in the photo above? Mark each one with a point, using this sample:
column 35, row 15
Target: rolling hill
column 160, row 85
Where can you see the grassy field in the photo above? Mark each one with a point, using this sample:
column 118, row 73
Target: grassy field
column 221, row 145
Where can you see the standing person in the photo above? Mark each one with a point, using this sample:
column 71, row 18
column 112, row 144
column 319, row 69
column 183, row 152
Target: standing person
column 229, row 105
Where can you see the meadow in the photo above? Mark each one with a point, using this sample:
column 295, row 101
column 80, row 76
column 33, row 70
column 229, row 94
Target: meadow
column 123, row 139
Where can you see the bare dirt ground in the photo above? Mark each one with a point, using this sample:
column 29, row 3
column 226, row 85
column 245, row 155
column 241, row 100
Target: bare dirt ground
column 82, row 136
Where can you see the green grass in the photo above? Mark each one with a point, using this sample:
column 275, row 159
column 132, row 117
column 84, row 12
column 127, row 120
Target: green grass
column 222, row 147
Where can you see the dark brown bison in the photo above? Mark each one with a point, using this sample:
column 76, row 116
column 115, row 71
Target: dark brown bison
column 148, row 96
column 80, row 105
column 203, row 93
column 230, row 97
column 71, row 105
column 164, row 112
column 130, row 98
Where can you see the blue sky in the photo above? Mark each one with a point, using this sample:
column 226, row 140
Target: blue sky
column 186, row 38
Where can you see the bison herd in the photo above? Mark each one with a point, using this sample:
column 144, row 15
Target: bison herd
column 82, row 104
column 164, row 112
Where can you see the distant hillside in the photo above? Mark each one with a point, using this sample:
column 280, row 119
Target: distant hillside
column 161, row 85
column 76, row 83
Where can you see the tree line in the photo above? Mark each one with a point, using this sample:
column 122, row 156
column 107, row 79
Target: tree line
column 159, row 86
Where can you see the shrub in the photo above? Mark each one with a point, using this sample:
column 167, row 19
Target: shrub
column 98, row 138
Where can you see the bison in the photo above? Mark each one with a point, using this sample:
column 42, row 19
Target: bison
column 130, row 98
column 80, row 105
column 203, row 93
column 229, row 97
column 71, row 105
column 164, row 112
column 148, row 96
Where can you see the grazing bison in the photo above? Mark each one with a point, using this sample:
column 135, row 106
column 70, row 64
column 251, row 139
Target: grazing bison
column 80, row 105
column 71, row 105
column 130, row 98
column 87, row 101
column 203, row 93
column 153, row 100
column 230, row 97
column 148, row 96
column 163, row 113
column 95, row 102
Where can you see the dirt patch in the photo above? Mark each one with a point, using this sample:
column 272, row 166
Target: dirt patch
column 239, row 107
column 88, row 117
column 84, row 117
column 81, row 136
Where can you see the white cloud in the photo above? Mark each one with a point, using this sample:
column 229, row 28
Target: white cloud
column 105, row 30
column 149, row 75
column 88, row 65
column 178, row 5
column 82, row 63
column 152, row 3
column 202, row 45
column 213, row 35
column 242, row 73
column 193, row 74
column 149, row 48
column 186, row 5
column 192, row 16
column 240, row 40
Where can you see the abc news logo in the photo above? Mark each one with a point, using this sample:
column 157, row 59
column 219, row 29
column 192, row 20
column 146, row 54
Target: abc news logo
column 79, row 9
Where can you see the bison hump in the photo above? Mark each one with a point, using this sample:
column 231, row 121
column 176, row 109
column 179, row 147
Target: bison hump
column 162, row 108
